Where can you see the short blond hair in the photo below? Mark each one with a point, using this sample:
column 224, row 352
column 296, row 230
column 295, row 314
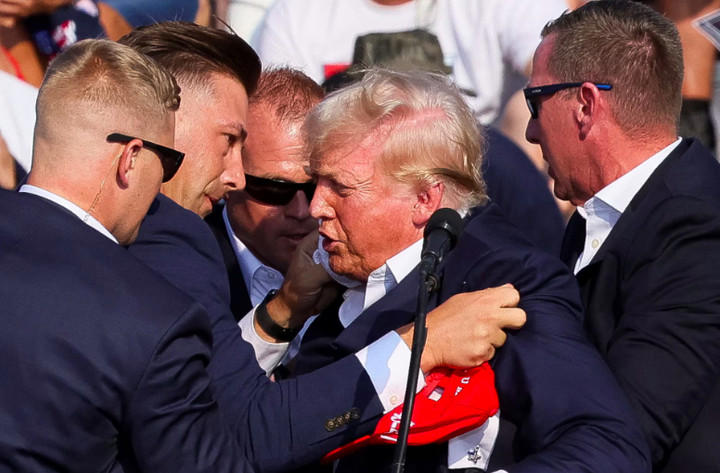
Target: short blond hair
column 99, row 74
column 425, row 129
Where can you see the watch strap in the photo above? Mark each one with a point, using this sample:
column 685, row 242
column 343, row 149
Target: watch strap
column 268, row 325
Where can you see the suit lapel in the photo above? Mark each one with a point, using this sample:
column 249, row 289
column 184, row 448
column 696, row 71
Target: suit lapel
column 599, row 281
column 623, row 230
column 239, row 299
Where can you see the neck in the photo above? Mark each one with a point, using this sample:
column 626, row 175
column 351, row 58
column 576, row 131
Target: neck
column 619, row 154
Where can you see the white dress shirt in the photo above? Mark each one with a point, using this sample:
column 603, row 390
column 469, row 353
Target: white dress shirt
column 81, row 214
column 259, row 278
column 602, row 211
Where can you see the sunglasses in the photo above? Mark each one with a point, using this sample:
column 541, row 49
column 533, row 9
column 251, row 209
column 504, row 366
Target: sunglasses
column 276, row 191
column 171, row 159
column 532, row 94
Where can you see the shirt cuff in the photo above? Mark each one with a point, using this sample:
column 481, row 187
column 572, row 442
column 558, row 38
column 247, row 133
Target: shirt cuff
column 268, row 354
column 386, row 361
column 473, row 449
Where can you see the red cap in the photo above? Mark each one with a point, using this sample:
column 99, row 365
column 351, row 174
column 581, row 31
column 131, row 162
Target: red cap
column 451, row 403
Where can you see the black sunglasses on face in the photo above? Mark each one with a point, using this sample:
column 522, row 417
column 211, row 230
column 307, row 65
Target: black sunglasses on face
column 171, row 159
column 276, row 191
column 533, row 93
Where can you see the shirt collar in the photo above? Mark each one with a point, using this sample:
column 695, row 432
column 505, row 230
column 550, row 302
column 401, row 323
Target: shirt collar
column 248, row 262
column 404, row 262
column 621, row 191
column 63, row 202
column 382, row 280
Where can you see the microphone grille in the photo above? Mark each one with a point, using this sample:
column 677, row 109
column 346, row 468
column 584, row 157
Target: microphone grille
column 445, row 219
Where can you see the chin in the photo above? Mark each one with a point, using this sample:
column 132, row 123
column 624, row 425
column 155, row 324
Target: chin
column 348, row 270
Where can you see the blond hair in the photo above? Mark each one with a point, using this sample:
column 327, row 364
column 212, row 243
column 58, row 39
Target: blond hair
column 93, row 76
column 426, row 131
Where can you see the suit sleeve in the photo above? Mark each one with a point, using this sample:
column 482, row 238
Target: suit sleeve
column 173, row 421
column 570, row 412
column 665, row 350
column 279, row 426
column 284, row 425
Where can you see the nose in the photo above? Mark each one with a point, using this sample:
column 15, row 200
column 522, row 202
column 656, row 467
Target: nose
column 233, row 175
column 320, row 208
column 531, row 131
column 299, row 207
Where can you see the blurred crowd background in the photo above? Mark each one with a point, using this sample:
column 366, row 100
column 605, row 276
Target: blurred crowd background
column 310, row 35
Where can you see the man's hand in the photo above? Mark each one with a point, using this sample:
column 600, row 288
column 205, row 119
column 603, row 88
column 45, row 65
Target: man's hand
column 465, row 330
column 307, row 288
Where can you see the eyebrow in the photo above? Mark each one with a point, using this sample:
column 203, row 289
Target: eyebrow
column 237, row 127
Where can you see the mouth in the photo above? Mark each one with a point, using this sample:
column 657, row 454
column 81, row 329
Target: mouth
column 213, row 200
column 296, row 237
column 327, row 243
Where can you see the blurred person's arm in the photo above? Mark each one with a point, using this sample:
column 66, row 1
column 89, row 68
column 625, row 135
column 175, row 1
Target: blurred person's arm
column 114, row 24
column 698, row 52
column 220, row 12
column 8, row 176
column 28, row 65
column 12, row 10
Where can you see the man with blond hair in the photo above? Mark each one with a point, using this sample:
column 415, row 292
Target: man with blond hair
column 280, row 425
column 387, row 152
column 104, row 362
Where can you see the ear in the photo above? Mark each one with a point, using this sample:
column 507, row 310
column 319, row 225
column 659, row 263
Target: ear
column 127, row 161
column 428, row 200
column 590, row 102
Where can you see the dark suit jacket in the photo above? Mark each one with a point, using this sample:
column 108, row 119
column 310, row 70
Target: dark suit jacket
column 239, row 298
column 522, row 192
column 279, row 425
column 103, row 362
column 570, row 412
column 652, row 299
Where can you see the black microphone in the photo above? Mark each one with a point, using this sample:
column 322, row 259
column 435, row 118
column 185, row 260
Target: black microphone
column 441, row 234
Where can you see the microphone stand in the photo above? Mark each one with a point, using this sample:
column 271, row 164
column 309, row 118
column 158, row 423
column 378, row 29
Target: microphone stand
column 430, row 284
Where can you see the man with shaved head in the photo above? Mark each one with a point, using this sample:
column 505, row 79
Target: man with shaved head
column 104, row 362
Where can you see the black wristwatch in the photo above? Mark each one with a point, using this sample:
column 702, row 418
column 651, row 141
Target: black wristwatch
column 268, row 324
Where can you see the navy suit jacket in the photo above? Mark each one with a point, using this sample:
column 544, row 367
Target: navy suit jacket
column 652, row 301
column 522, row 192
column 552, row 384
column 279, row 425
column 240, row 302
column 103, row 362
